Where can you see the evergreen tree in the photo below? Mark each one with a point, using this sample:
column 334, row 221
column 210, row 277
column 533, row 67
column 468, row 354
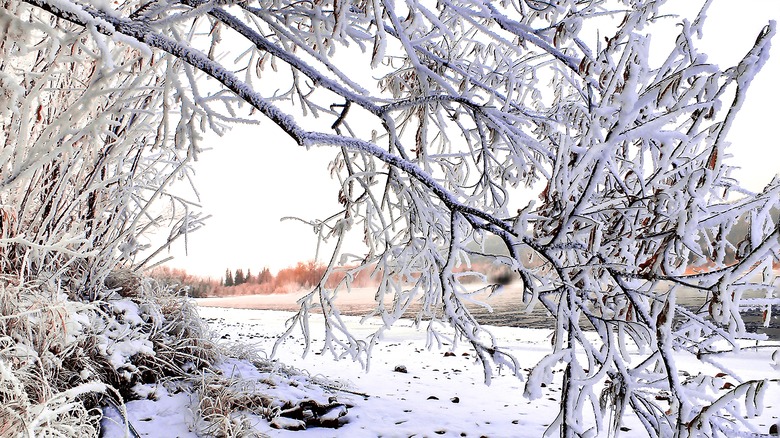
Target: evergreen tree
column 239, row 278
column 248, row 278
column 229, row 278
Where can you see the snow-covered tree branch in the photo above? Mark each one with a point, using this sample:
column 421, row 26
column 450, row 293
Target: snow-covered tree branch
column 443, row 117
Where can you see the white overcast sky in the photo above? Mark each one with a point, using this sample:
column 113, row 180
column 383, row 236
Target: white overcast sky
column 254, row 176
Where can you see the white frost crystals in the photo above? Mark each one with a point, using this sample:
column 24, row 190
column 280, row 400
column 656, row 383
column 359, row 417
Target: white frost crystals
column 462, row 107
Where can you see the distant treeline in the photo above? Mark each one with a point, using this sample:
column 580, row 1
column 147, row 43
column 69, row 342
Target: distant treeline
column 304, row 275
column 239, row 282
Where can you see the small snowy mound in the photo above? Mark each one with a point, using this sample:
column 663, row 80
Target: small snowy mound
column 108, row 367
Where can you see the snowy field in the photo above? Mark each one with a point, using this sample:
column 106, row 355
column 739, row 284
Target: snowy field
column 441, row 393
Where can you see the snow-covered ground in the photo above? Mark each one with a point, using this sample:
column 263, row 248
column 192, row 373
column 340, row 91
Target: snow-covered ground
column 438, row 395
column 441, row 394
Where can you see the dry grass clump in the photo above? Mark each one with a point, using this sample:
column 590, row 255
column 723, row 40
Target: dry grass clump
column 223, row 405
column 180, row 338
column 230, row 403
column 41, row 386
column 62, row 415
column 62, row 359
column 57, row 356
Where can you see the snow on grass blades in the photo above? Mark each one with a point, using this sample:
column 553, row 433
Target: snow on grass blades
column 63, row 363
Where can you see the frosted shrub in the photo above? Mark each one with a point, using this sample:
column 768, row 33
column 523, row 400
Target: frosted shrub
column 92, row 133
column 56, row 355
column 41, row 380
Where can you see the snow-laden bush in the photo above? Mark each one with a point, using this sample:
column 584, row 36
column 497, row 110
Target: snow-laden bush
column 58, row 356
column 62, row 362
column 42, row 366
column 91, row 136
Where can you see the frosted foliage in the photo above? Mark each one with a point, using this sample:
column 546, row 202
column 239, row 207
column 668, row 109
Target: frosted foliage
column 442, row 116
column 92, row 133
